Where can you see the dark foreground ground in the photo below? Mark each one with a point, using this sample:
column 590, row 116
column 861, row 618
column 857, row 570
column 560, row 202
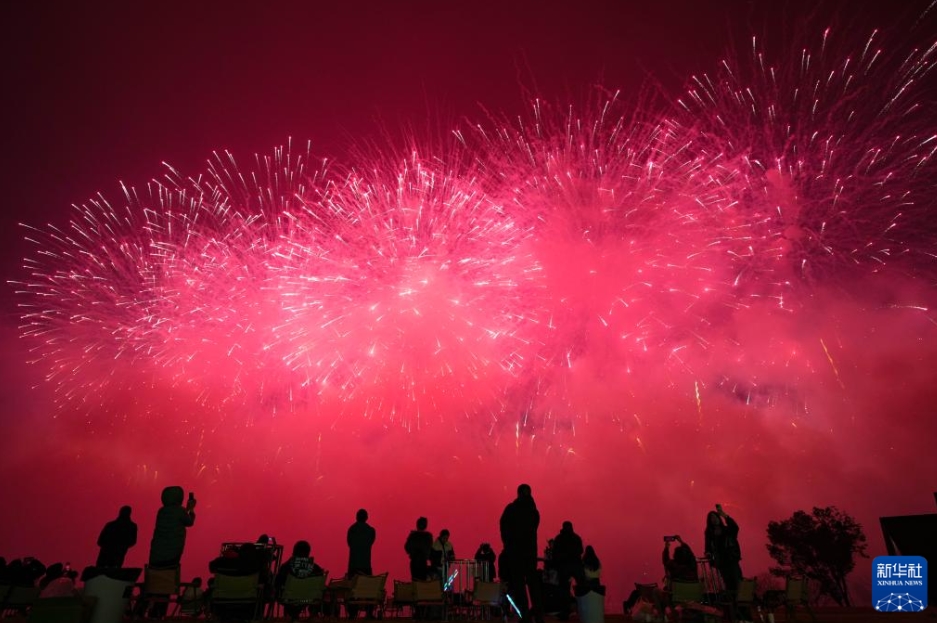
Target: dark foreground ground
column 822, row 615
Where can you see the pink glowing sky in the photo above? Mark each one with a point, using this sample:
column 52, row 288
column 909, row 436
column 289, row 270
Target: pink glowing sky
column 108, row 95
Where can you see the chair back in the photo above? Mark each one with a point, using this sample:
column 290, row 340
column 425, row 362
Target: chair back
column 648, row 592
column 795, row 591
column 21, row 597
column 428, row 591
column 685, row 592
column 404, row 592
column 746, row 591
column 236, row 587
column 191, row 601
column 59, row 610
column 487, row 593
column 161, row 581
column 367, row 587
column 339, row 584
column 303, row 590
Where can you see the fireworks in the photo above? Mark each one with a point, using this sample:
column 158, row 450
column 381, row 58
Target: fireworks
column 825, row 159
column 623, row 243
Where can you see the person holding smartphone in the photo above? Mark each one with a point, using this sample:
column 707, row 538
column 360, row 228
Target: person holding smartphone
column 681, row 566
column 722, row 547
column 172, row 520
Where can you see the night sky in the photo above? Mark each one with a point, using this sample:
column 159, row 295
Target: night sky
column 97, row 95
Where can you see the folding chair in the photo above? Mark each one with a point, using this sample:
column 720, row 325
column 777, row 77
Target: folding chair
column 300, row 593
column 158, row 592
column 19, row 599
column 236, row 593
column 795, row 594
column 487, row 597
column 404, row 597
column 430, row 596
column 366, row 591
column 741, row 605
column 61, row 610
column 647, row 593
column 335, row 593
column 192, row 602
column 687, row 599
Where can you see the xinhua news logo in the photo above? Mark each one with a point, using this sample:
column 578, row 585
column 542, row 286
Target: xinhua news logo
column 899, row 583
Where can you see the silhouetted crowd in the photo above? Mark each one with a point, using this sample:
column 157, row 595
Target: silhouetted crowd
column 569, row 571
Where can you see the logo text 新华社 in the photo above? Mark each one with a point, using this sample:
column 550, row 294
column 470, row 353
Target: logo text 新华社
column 899, row 574
column 899, row 583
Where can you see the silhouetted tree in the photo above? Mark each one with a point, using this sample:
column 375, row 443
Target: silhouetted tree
column 821, row 546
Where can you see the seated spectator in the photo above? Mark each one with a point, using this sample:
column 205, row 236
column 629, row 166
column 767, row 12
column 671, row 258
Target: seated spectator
column 264, row 549
column 209, row 588
column 58, row 582
column 192, row 601
column 11, row 571
column 53, row 572
column 25, row 572
column 486, row 556
column 591, row 569
column 241, row 561
column 300, row 565
column 682, row 566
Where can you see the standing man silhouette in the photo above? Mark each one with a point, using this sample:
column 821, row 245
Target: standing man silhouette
column 360, row 539
column 519, row 523
column 116, row 538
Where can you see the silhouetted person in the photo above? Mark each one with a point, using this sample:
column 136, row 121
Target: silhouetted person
column 485, row 555
column 591, row 569
column 442, row 554
column 263, row 549
column 24, row 572
column 115, row 539
column 682, row 566
column 53, row 572
column 171, row 523
column 722, row 547
column 519, row 523
column 419, row 546
column 242, row 561
column 192, row 600
column 567, row 560
column 360, row 539
column 300, row 565
column 58, row 582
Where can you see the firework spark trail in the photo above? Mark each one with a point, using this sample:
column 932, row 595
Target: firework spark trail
column 408, row 293
column 638, row 278
column 578, row 256
column 601, row 187
column 170, row 286
column 291, row 291
column 825, row 163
